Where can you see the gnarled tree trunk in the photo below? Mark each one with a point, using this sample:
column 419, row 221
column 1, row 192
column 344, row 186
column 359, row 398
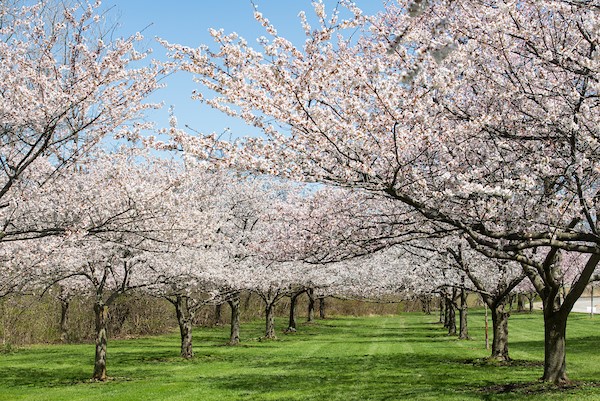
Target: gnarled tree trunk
column 555, row 330
column 247, row 301
column 270, row 320
column 531, row 298
column 311, row 305
column 184, row 319
column 292, row 320
column 555, row 366
column 520, row 303
column 451, row 317
column 463, row 333
column 64, row 316
column 322, row 307
column 218, row 315
column 500, row 329
column 234, row 304
column 426, row 304
column 101, row 315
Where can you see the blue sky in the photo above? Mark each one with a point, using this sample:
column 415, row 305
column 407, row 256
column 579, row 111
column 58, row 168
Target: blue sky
column 187, row 22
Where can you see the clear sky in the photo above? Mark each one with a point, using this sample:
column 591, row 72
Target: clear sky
column 187, row 22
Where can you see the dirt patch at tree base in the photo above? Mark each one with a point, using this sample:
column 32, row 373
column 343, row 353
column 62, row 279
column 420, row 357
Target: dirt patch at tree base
column 495, row 362
column 530, row 388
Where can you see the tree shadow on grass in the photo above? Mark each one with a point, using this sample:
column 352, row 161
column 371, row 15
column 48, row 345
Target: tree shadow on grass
column 60, row 366
column 42, row 376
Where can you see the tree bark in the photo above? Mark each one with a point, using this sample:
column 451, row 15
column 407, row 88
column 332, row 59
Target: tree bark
column 531, row 297
column 270, row 321
column 184, row 319
column 487, row 337
column 500, row 332
column 292, row 320
column 555, row 367
column 247, row 301
column 234, row 304
column 442, row 310
column 463, row 329
column 520, row 303
column 218, row 315
column 446, row 312
column 64, row 315
column 451, row 317
column 511, row 301
column 311, row 305
column 101, row 314
column 555, row 328
column 322, row 307
column 426, row 304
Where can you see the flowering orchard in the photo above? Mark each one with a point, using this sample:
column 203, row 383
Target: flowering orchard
column 453, row 145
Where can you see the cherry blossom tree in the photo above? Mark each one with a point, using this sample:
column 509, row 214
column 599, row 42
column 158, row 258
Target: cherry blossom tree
column 66, row 85
column 190, row 272
column 120, row 222
column 190, row 280
column 494, row 280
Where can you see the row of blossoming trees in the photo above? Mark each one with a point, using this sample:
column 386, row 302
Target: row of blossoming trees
column 482, row 117
column 454, row 143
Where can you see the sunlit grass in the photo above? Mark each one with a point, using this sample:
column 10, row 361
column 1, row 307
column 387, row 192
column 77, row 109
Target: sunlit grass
column 406, row 357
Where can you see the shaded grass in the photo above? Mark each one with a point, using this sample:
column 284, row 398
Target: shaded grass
column 375, row 358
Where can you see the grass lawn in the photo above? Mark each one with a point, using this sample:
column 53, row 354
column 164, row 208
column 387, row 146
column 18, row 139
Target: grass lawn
column 405, row 357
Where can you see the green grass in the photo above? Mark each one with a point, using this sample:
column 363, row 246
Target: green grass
column 406, row 357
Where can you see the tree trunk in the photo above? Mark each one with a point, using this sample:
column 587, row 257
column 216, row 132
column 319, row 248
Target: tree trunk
column 311, row 305
column 511, row 300
column 500, row 329
column 184, row 318
column 64, row 314
column 442, row 310
column 531, row 298
column 555, row 328
column 322, row 307
column 292, row 322
column 426, row 304
column 101, row 314
column 446, row 312
column 234, row 303
column 463, row 331
column 218, row 315
column 487, row 337
column 520, row 303
column 270, row 321
column 247, row 301
column 451, row 318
